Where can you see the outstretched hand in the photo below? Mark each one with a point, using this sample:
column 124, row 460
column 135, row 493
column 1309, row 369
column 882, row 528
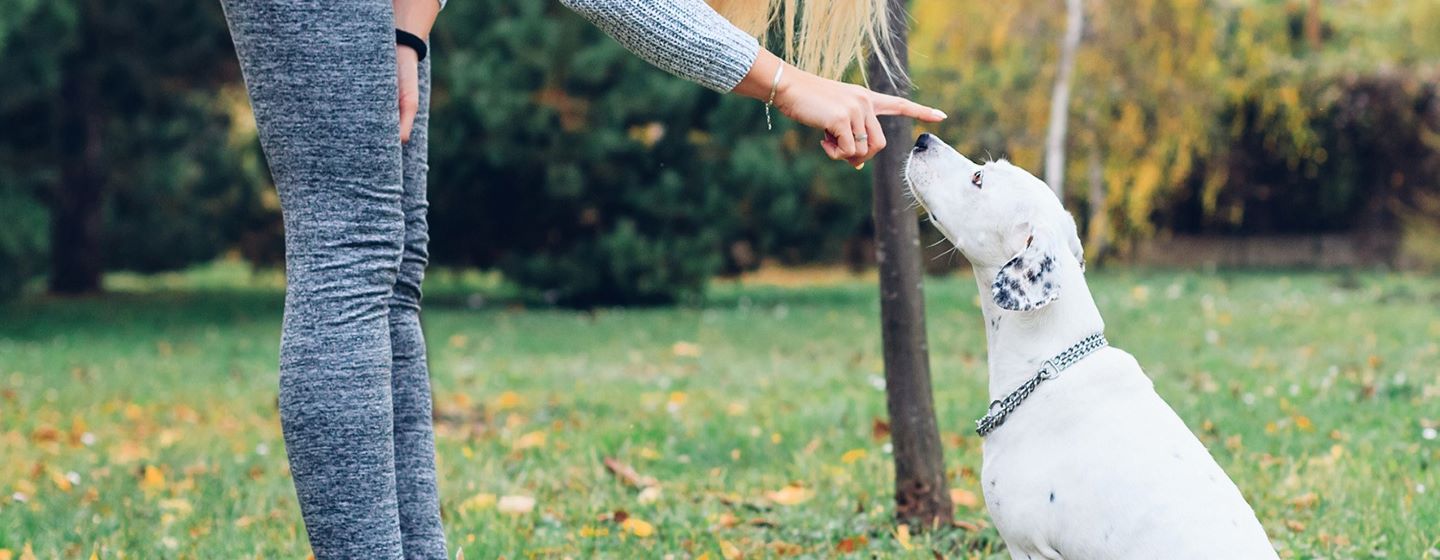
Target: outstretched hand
column 846, row 112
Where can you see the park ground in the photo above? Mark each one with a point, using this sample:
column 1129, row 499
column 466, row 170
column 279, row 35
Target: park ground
column 142, row 424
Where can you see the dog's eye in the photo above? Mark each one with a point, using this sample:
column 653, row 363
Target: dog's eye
column 978, row 179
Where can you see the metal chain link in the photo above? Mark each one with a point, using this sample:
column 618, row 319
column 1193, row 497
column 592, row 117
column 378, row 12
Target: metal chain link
column 1052, row 367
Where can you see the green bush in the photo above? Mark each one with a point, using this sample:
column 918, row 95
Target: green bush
column 591, row 178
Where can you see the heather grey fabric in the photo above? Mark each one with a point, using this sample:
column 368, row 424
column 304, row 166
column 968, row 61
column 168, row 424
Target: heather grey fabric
column 684, row 37
column 354, row 390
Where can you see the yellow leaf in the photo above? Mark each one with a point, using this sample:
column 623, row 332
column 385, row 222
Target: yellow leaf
column 686, row 349
column 530, row 440
column 477, row 502
column 962, row 497
column 5, row 554
column 649, row 495
column 27, row 553
column 1304, row 423
column 853, row 455
column 729, row 551
column 648, row 453
column 509, row 399
column 589, row 531
column 637, row 527
column 516, row 505
column 789, row 495
column 60, row 481
column 153, row 478
column 902, row 536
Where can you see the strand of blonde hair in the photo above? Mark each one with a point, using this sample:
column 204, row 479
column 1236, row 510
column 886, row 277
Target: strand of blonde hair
column 821, row 36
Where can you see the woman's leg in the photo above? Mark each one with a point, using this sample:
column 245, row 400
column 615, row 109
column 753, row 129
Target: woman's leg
column 414, row 434
column 321, row 77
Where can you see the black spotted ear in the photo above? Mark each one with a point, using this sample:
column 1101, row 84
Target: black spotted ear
column 1028, row 281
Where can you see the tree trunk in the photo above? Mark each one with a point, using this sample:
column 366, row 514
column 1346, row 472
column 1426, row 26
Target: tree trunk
column 1060, row 99
column 921, row 493
column 76, row 262
column 1097, row 243
column 1312, row 24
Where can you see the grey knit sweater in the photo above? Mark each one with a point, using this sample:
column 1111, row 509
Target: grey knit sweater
column 684, row 37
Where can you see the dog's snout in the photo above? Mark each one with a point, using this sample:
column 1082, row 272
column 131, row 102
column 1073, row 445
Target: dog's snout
column 923, row 143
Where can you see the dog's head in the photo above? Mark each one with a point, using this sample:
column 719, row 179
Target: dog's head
column 1001, row 218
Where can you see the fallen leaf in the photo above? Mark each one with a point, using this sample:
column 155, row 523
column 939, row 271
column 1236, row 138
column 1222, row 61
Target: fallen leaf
column 627, row 474
column 879, row 429
column 508, row 400
column 962, row 497
column 58, row 478
column 529, row 441
column 789, row 495
column 851, row 544
column 637, row 527
column 685, row 349
column 853, row 455
column 1295, row 526
column 1305, row 500
column 902, row 536
column 729, row 551
column 478, row 501
column 516, row 505
column 649, row 495
column 152, row 478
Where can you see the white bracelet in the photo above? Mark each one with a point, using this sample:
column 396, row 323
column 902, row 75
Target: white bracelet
column 774, row 86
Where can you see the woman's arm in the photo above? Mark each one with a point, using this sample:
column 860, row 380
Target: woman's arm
column 684, row 37
column 416, row 17
column 689, row 39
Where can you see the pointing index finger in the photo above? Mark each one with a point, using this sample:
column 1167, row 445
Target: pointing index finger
column 891, row 105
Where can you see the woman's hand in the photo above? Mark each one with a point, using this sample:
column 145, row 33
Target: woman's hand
column 416, row 17
column 846, row 112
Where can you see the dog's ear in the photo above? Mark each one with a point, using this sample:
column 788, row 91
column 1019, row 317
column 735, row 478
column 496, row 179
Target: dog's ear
column 1028, row 281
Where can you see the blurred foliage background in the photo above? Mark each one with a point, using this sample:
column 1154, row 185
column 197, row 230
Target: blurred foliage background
column 587, row 177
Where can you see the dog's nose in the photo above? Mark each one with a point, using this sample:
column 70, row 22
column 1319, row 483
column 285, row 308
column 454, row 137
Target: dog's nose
column 923, row 143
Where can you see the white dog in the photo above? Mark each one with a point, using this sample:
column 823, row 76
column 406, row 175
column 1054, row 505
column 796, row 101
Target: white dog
column 1082, row 460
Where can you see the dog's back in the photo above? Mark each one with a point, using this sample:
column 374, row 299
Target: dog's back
column 1097, row 465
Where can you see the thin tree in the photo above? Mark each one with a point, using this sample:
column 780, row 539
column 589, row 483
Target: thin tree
column 1060, row 98
column 921, row 493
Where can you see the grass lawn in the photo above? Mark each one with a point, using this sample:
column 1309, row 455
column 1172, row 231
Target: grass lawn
column 143, row 424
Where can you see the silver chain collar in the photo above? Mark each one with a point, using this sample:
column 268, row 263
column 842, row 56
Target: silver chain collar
column 1051, row 368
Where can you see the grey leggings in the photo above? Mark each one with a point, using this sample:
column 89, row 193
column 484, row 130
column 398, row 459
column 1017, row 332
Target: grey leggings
column 354, row 389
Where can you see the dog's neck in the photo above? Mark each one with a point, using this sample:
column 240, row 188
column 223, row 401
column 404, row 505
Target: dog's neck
column 1019, row 342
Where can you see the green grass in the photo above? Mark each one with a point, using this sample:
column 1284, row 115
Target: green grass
column 1312, row 390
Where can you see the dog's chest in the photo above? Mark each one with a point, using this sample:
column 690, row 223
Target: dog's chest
column 1080, row 473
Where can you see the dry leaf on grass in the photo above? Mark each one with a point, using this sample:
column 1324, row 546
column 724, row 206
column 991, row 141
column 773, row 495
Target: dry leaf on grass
column 902, row 536
column 627, row 474
column 962, row 497
column 516, row 505
column 637, row 527
column 686, row 349
column 790, row 495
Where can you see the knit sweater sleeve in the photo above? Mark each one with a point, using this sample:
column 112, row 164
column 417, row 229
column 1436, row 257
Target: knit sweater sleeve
column 684, row 37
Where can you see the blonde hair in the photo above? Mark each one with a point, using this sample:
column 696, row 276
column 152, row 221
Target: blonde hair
column 821, row 36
